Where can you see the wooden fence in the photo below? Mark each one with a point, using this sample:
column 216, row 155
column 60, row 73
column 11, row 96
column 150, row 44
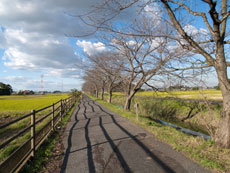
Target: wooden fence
column 37, row 135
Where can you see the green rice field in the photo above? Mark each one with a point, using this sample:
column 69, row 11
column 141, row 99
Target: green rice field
column 210, row 94
column 20, row 105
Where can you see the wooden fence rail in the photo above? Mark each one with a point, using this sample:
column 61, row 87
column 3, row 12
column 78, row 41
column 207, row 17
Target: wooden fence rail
column 37, row 133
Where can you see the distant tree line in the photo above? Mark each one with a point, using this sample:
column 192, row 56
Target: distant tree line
column 5, row 89
column 25, row 92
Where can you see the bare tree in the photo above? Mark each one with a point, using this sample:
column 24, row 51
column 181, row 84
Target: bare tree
column 144, row 58
column 112, row 68
column 144, row 55
column 217, row 29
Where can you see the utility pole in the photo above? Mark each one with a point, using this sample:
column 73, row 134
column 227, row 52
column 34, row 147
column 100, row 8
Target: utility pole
column 62, row 86
column 42, row 84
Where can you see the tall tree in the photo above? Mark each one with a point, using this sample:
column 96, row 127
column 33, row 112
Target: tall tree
column 144, row 58
column 217, row 29
column 215, row 21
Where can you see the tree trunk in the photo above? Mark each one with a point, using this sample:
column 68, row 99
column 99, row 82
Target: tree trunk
column 102, row 93
column 110, row 96
column 222, row 137
column 127, row 103
column 96, row 93
column 129, row 100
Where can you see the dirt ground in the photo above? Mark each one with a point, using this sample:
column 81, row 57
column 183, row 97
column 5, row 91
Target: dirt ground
column 55, row 160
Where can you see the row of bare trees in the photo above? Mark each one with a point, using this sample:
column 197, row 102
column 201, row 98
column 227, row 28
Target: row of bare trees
column 130, row 63
column 103, row 74
column 166, row 42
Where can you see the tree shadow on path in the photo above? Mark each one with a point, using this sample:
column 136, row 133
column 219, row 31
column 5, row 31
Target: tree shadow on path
column 143, row 146
column 91, row 165
column 115, row 149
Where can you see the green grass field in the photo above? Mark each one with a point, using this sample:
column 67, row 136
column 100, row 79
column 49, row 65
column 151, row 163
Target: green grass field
column 210, row 94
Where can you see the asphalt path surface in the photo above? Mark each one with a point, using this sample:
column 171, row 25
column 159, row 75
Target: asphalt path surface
column 99, row 140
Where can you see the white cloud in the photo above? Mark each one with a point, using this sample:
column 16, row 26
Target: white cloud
column 152, row 16
column 35, row 51
column 91, row 48
column 50, row 16
column 153, row 11
column 14, row 78
column 131, row 43
column 69, row 72
column 35, row 33
column 2, row 40
column 197, row 34
column 156, row 42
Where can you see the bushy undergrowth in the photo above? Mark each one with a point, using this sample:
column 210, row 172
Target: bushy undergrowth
column 160, row 109
column 198, row 116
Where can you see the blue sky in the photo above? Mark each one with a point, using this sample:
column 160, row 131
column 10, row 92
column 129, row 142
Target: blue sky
column 34, row 41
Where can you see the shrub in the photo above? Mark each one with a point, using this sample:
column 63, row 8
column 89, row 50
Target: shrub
column 75, row 92
column 161, row 108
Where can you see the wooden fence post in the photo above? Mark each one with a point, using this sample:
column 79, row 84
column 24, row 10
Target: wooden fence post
column 137, row 116
column 65, row 106
column 53, row 116
column 61, row 109
column 32, row 132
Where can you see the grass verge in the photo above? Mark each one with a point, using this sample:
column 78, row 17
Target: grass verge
column 206, row 153
column 45, row 151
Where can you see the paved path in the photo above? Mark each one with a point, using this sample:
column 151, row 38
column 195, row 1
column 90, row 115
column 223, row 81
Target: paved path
column 98, row 140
